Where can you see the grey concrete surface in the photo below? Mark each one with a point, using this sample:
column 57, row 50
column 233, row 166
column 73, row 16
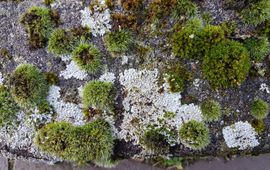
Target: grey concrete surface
column 261, row 162
column 123, row 165
column 3, row 164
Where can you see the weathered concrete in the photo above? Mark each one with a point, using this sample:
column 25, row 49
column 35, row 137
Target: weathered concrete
column 261, row 162
column 3, row 163
column 123, row 165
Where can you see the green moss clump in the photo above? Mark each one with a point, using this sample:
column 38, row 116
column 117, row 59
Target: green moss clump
column 28, row 86
column 177, row 77
column 258, row 125
column 185, row 8
column 48, row 2
column 194, row 135
column 263, row 29
column 153, row 140
column 5, row 54
column 257, row 47
column 259, row 109
column 256, row 13
column 8, row 107
column 118, row 42
column 162, row 9
column 81, row 144
column 98, row 95
column 211, row 35
column 38, row 23
column 132, row 5
column 51, row 78
column 227, row 64
column 211, row 110
column 185, row 42
column 87, row 57
column 194, row 41
column 60, row 42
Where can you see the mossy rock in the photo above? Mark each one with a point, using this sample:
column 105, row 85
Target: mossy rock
column 194, row 135
column 177, row 77
column 63, row 41
column 259, row 109
column 154, row 141
column 118, row 42
column 28, row 86
column 256, row 13
column 211, row 110
column 257, row 47
column 226, row 65
column 98, row 95
column 193, row 40
column 39, row 22
column 92, row 142
column 87, row 57
column 8, row 107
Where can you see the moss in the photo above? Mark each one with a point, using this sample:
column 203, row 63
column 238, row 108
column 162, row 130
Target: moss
column 211, row 110
column 258, row 125
column 98, row 95
column 259, row 109
column 51, row 78
column 62, row 41
column 227, row 64
column 228, row 27
column 39, row 22
column 257, row 47
column 28, row 86
column 194, row 135
column 87, row 57
column 153, row 140
column 177, row 77
column 159, row 9
column 118, row 42
column 194, row 41
column 124, row 21
column 48, row 2
column 59, row 42
column 263, row 29
column 185, row 42
column 8, row 107
column 167, row 162
column 256, row 13
column 5, row 54
column 81, row 144
column 132, row 5
column 185, row 8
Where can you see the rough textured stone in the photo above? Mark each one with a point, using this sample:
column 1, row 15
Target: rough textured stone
column 27, row 165
column 123, row 165
column 261, row 162
column 3, row 163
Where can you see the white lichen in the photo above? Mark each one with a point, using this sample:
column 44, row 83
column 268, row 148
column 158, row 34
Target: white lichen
column 147, row 104
column 124, row 59
column 240, row 135
column 68, row 112
column 97, row 18
column 20, row 136
column 264, row 87
column 108, row 77
column 72, row 70
column 1, row 79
